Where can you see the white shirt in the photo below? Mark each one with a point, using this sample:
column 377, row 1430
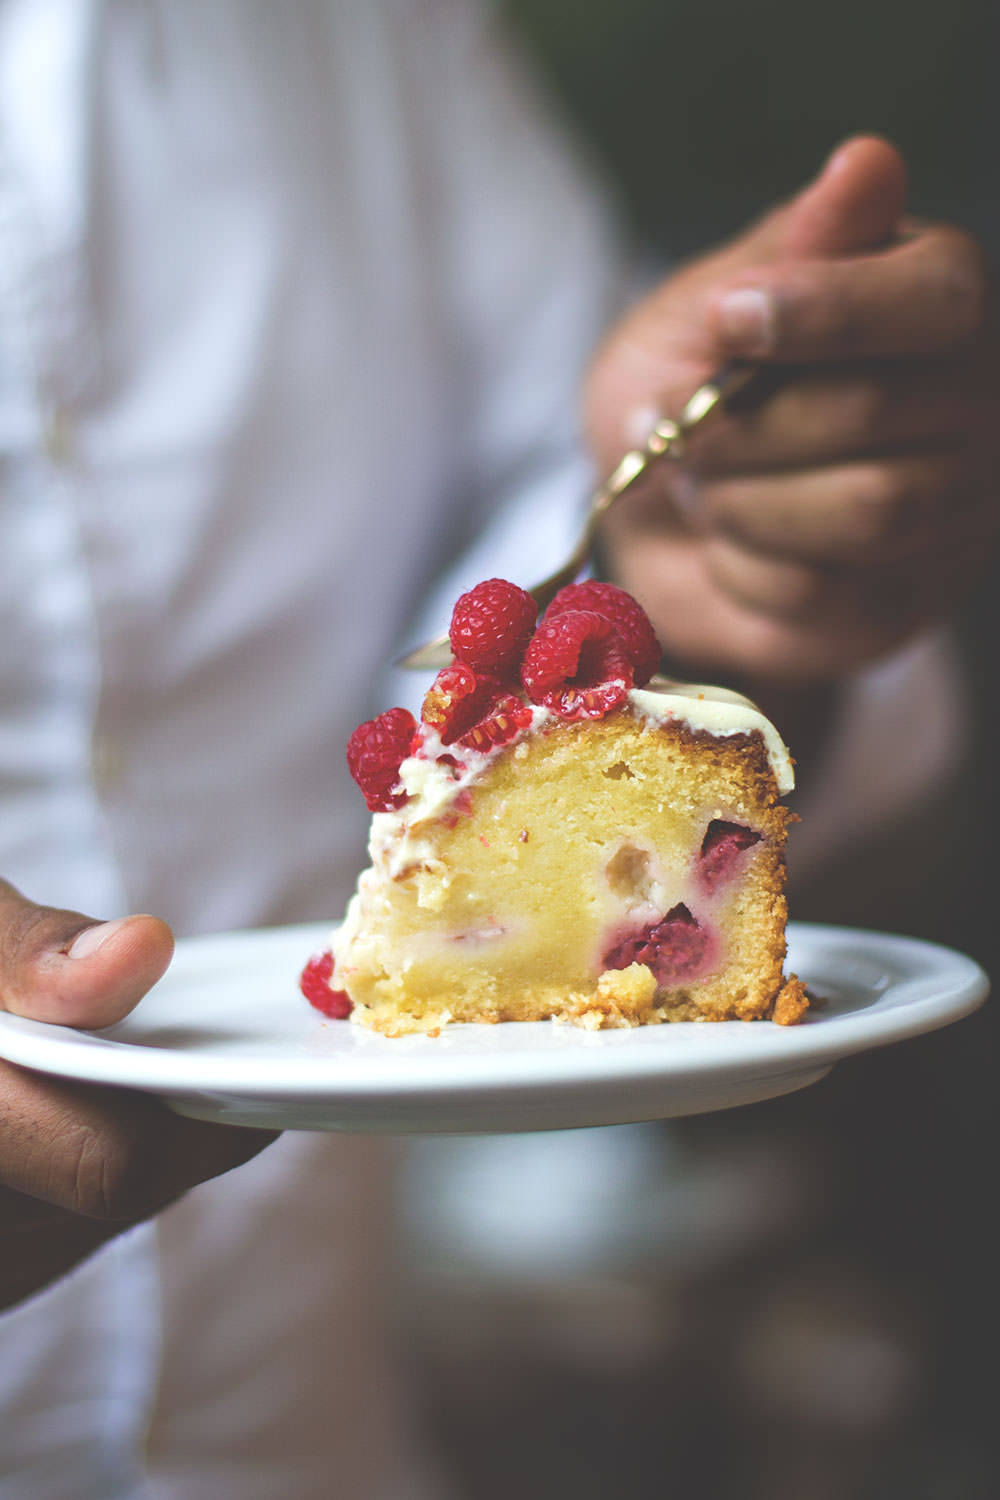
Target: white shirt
column 279, row 328
column 292, row 298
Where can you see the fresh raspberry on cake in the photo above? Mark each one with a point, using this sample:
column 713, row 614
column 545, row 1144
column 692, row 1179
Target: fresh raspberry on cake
column 508, row 716
column 458, row 699
column 577, row 665
column 623, row 612
column 375, row 752
column 491, row 625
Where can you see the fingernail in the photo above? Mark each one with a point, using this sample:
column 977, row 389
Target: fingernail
column 91, row 938
column 747, row 319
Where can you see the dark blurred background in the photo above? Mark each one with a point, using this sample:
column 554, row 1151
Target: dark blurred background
column 703, row 114
column 798, row 1299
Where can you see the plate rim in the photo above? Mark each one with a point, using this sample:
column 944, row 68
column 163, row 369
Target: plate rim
column 72, row 1053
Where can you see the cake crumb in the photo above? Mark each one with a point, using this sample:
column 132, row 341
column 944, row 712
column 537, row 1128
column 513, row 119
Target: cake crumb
column 624, row 997
column 791, row 1002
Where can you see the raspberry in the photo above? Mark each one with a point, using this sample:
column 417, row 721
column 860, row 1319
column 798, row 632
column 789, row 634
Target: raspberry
column 720, row 849
column 505, row 720
column 623, row 612
column 577, row 665
column 375, row 752
column 314, row 982
column 491, row 625
column 674, row 948
column 457, row 699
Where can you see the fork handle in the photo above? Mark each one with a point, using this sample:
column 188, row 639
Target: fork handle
column 667, row 439
column 720, row 388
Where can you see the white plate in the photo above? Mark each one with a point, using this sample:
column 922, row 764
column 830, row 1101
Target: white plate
column 225, row 1035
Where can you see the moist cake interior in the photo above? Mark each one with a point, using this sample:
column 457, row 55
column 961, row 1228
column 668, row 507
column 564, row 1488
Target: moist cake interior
column 610, row 872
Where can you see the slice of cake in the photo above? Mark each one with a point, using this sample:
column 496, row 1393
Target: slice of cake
column 565, row 836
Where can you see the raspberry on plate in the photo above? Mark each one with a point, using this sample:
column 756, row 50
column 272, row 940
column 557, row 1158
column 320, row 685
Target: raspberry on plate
column 314, row 982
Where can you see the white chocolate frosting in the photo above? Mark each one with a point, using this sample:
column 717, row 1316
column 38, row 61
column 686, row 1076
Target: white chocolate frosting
column 719, row 711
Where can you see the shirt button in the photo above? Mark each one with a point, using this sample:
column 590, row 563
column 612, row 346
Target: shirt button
column 107, row 762
column 57, row 435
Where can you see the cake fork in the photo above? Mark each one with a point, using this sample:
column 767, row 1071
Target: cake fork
column 667, row 439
